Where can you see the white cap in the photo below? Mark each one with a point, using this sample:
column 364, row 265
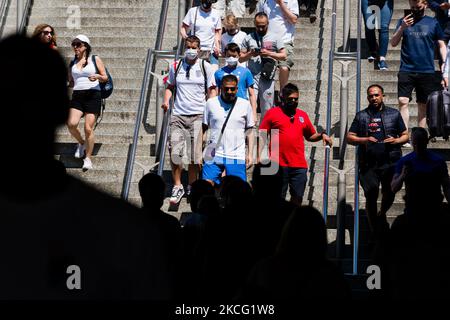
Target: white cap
column 83, row 38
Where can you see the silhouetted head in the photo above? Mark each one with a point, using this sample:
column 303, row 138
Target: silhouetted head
column 267, row 185
column 199, row 189
column 152, row 190
column 235, row 193
column 304, row 235
column 419, row 139
column 33, row 89
column 208, row 206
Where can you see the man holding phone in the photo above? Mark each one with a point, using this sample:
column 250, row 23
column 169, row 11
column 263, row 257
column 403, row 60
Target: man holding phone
column 420, row 33
column 379, row 131
column 262, row 49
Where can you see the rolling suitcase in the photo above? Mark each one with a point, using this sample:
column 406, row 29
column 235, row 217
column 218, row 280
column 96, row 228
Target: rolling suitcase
column 438, row 114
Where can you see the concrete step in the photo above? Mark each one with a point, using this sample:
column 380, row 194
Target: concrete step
column 104, row 176
column 96, row 3
column 109, row 128
column 118, row 31
column 102, row 149
column 105, row 163
column 116, row 52
column 63, row 137
column 109, row 12
column 60, row 23
column 113, row 42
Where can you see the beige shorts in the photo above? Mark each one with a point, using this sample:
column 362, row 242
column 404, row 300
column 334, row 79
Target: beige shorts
column 289, row 62
column 183, row 134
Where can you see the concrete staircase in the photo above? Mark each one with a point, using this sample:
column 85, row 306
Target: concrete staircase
column 310, row 73
column 121, row 32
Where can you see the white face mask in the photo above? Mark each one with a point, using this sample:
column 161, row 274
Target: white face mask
column 232, row 61
column 191, row 54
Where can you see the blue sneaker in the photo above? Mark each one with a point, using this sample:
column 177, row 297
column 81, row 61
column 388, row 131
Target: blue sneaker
column 382, row 65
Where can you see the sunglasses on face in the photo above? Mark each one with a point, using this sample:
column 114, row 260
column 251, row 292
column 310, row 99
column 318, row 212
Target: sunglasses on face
column 292, row 100
column 232, row 89
column 46, row 33
column 76, row 44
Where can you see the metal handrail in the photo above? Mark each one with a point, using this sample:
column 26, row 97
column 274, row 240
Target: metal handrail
column 23, row 21
column 3, row 10
column 358, row 108
column 147, row 82
column 326, row 175
column 161, row 152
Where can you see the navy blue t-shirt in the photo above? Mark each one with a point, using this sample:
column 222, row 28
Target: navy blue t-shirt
column 432, row 165
column 376, row 126
column 419, row 41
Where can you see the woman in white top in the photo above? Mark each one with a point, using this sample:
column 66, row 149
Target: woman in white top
column 86, row 98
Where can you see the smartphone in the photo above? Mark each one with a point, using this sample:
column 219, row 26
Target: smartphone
column 407, row 12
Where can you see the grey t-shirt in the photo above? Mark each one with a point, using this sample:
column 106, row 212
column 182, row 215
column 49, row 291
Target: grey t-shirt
column 270, row 42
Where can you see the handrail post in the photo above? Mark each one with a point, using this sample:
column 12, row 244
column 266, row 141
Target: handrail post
column 181, row 14
column 329, row 107
column 19, row 13
column 358, row 108
column 342, row 183
column 346, row 36
column 132, row 155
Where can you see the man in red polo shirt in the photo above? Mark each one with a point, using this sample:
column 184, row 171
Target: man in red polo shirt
column 287, row 127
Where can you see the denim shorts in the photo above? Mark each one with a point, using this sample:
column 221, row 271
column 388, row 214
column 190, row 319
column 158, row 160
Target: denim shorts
column 296, row 179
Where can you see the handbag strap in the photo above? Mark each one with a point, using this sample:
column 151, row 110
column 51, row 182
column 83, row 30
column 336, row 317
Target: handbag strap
column 195, row 19
column 225, row 123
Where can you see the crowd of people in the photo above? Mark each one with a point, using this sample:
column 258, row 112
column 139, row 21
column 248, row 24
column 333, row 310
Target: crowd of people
column 243, row 240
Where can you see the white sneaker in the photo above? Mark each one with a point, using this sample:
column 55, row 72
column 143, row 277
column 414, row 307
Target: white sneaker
column 177, row 194
column 407, row 145
column 87, row 164
column 81, row 150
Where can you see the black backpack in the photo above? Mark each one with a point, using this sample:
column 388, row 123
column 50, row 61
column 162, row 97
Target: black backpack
column 177, row 67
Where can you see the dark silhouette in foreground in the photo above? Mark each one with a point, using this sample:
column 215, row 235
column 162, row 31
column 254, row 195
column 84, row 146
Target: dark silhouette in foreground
column 50, row 220
column 419, row 246
column 299, row 268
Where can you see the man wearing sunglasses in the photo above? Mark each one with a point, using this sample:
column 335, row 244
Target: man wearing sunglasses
column 380, row 132
column 230, row 119
column 287, row 127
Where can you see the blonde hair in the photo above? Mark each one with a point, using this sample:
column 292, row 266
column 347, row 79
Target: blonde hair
column 231, row 21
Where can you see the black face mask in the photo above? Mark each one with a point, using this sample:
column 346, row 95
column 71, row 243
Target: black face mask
column 290, row 105
column 261, row 32
column 228, row 97
column 206, row 5
column 418, row 14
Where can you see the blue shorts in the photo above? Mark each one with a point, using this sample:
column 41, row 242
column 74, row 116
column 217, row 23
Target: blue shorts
column 213, row 170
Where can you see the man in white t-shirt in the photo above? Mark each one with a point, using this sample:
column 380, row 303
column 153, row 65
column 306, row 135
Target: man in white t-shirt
column 205, row 23
column 192, row 79
column 283, row 15
column 226, row 151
